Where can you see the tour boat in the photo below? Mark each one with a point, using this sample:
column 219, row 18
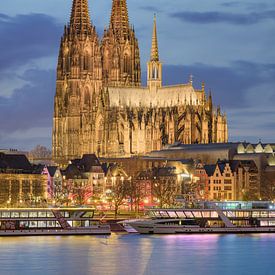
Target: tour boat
column 127, row 227
column 208, row 220
column 50, row 221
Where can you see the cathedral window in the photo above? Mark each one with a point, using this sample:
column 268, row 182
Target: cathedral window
column 86, row 62
column 87, row 98
column 155, row 73
column 126, row 64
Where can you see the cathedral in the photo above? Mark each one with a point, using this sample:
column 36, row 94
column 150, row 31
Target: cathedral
column 100, row 105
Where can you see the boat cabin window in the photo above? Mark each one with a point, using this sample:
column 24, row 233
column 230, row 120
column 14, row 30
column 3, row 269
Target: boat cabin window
column 33, row 214
column 42, row 224
column 14, row 214
column 6, row 214
column 42, row 214
column 50, row 214
column 33, row 224
column 24, row 215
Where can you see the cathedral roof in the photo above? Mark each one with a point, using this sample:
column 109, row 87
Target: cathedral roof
column 143, row 97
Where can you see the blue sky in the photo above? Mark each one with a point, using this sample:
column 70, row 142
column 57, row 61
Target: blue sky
column 227, row 44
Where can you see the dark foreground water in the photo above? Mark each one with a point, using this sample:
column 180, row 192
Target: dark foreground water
column 134, row 254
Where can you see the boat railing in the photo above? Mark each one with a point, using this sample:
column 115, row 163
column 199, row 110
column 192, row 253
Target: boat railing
column 64, row 224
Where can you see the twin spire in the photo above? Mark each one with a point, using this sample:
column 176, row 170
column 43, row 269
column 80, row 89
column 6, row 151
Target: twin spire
column 80, row 21
column 119, row 17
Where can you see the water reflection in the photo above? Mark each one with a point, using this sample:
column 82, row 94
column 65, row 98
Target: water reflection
column 133, row 254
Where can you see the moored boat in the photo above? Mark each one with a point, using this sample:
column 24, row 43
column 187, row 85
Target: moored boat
column 207, row 220
column 127, row 227
column 50, row 221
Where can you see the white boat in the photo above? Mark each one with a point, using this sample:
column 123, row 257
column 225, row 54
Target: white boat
column 211, row 220
column 127, row 227
column 50, row 221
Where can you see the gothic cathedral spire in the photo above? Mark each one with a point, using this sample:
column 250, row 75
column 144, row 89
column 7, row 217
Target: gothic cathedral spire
column 120, row 50
column 154, row 49
column 154, row 66
column 119, row 18
column 80, row 22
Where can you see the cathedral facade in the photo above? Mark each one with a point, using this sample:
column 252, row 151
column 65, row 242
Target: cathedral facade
column 100, row 106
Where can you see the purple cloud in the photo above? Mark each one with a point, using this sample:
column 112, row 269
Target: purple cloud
column 27, row 37
column 224, row 17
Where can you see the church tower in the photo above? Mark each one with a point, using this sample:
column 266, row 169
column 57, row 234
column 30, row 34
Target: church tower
column 154, row 66
column 79, row 78
column 120, row 50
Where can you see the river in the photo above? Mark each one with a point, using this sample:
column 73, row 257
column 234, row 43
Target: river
column 137, row 255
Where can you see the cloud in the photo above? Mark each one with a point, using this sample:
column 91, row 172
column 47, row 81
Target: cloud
column 225, row 17
column 30, row 106
column 247, row 5
column 152, row 9
column 27, row 37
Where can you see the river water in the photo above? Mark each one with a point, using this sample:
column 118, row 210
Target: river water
column 134, row 254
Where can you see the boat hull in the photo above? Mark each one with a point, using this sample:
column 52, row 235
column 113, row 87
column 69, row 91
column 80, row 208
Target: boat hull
column 150, row 229
column 102, row 230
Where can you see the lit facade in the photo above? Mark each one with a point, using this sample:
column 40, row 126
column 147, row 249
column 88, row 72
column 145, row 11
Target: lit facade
column 100, row 106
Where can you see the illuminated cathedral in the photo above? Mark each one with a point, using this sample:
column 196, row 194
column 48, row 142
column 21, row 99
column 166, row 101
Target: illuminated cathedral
column 100, row 105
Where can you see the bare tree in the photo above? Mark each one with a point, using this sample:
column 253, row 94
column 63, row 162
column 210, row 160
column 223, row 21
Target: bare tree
column 119, row 193
column 40, row 152
column 136, row 193
column 165, row 191
column 81, row 193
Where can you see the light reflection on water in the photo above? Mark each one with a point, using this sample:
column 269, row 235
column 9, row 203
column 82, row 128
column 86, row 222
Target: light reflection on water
column 134, row 254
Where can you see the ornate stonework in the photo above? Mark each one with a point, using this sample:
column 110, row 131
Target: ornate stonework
column 100, row 106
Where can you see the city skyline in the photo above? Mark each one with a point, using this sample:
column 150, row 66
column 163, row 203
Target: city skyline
column 210, row 44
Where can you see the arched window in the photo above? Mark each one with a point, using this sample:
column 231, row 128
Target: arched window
column 87, row 98
column 126, row 64
column 155, row 73
column 121, row 134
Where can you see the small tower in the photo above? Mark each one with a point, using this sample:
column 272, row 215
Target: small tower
column 154, row 66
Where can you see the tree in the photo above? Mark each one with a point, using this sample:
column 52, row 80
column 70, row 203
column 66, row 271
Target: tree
column 165, row 191
column 165, row 186
column 61, row 193
column 136, row 193
column 119, row 193
column 40, row 152
column 81, row 192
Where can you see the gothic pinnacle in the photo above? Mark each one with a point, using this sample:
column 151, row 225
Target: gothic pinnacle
column 154, row 49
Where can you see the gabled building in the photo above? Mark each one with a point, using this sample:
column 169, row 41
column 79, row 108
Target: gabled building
column 233, row 180
column 86, row 173
column 222, row 181
column 55, row 179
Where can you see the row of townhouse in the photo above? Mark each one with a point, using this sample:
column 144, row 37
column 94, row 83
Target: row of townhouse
column 228, row 180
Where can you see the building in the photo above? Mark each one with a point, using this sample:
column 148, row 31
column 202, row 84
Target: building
column 83, row 179
column 206, row 153
column 100, row 106
column 233, row 180
column 201, row 182
column 54, row 182
column 20, row 183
